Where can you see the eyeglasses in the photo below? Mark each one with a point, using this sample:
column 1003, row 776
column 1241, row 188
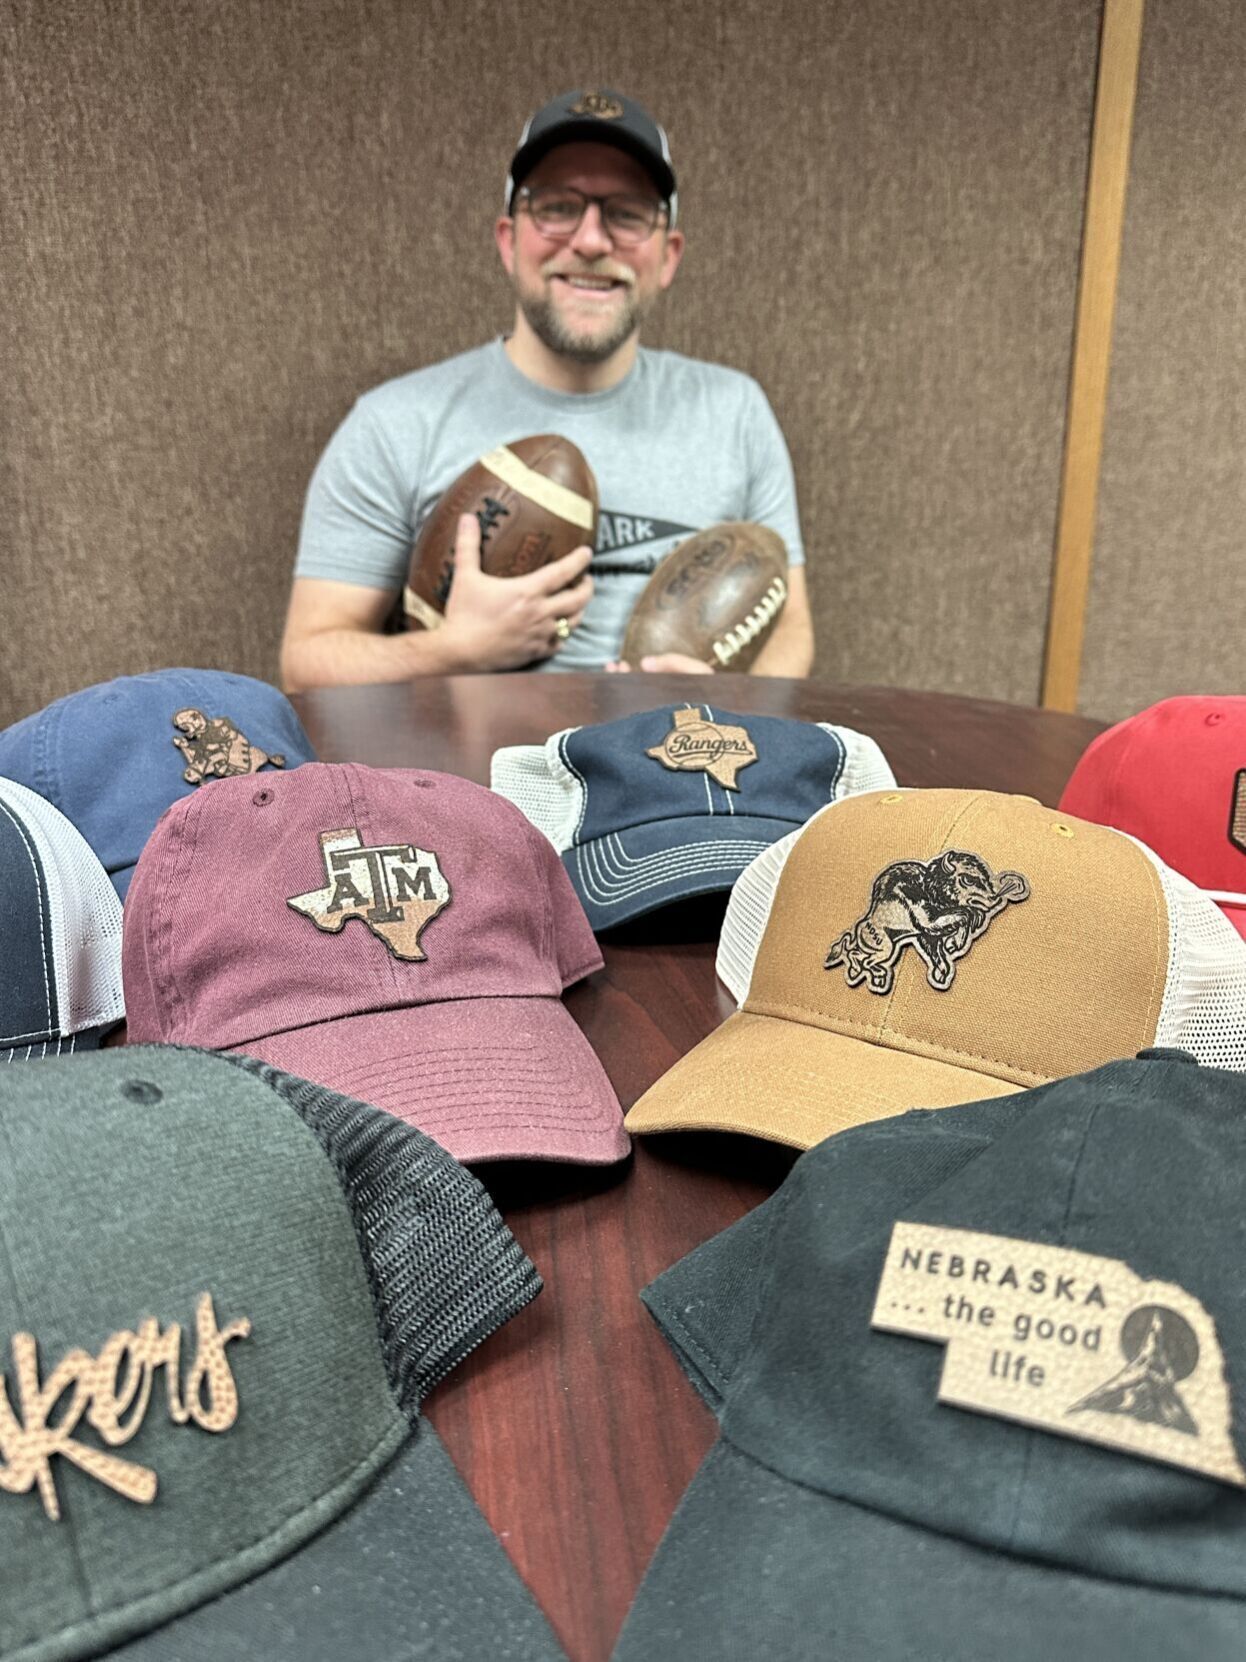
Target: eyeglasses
column 557, row 210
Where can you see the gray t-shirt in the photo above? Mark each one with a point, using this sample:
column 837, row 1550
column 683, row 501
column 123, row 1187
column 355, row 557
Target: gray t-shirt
column 678, row 445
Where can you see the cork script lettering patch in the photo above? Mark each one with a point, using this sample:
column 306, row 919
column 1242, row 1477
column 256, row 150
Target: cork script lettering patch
column 112, row 1392
column 396, row 890
column 1066, row 1341
column 1237, row 812
column 599, row 104
column 696, row 744
column 938, row 907
column 214, row 748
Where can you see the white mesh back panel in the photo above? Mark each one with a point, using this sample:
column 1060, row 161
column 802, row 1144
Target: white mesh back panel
column 866, row 768
column 85, row 915
column 537, row 780
column 748, row 910
column 1204, row 1005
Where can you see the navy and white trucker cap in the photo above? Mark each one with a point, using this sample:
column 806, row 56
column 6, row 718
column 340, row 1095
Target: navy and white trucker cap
column 677, row 801
column 60, row 971
column 113, row 757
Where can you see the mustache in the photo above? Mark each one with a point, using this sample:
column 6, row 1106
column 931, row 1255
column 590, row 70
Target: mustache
column 600, row 268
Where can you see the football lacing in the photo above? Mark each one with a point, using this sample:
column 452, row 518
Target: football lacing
column 761, row 617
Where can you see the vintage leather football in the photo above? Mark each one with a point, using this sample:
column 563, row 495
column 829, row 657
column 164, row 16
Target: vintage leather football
column 536, row 500
column 716, row 597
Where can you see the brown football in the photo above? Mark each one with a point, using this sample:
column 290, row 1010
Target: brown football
column 536, row 500
column 716, row 597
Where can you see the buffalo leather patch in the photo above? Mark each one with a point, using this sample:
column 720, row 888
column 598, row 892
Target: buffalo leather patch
column 112, row 1392
column 214, row 748
column 938, row 907
column 698, row 745
column 1237, row 812
column 395, row 889
column 1067, row 1341
column 599, row 104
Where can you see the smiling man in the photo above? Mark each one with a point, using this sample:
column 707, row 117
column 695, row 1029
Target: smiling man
column 589, row 241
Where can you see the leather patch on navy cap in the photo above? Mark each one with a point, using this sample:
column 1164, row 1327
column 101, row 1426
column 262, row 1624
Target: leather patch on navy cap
column 215, row 749
column 599, row 104
column 938, row 907
column 697, row 745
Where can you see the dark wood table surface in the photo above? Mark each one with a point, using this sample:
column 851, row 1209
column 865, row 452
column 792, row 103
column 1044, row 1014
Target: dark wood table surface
column 574, row 1426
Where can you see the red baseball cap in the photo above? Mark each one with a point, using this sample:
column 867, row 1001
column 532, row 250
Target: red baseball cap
column 1174, row 776
column 402, row 937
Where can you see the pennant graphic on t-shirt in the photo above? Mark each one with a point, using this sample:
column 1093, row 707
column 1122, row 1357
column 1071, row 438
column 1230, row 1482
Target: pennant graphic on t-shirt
column 620, row 532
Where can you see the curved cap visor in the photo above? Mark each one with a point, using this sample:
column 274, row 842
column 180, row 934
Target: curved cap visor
column 487, row 1078
column 411, row 1569
column 767, row 1076
column 628, row 873
column 733, row 1576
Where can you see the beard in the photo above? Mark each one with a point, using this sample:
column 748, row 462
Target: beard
column 584, row 346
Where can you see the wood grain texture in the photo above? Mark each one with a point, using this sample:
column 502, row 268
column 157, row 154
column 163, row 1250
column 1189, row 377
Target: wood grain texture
column 1092, row 349
column 574, row 1426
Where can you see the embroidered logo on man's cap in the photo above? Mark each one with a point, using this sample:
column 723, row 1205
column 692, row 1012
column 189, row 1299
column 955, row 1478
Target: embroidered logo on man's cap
column 696, row 744
column 215, row 749
column 1237, row 812
column 112, row 1392
column 396, row 889
column 599, row 104
column 938, row 907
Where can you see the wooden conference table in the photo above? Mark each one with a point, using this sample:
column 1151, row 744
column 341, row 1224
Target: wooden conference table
column 574, row 1426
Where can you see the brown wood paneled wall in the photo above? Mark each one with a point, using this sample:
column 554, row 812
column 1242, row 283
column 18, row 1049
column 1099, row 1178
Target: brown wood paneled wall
column 222, row 223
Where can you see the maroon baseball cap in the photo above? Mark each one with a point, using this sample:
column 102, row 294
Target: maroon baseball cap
column 402, row 937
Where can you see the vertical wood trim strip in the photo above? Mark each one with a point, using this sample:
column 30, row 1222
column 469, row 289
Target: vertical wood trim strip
column 1117, row 84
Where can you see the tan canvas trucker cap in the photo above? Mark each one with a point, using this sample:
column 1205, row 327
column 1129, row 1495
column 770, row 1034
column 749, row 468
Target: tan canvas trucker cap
column 917, row 949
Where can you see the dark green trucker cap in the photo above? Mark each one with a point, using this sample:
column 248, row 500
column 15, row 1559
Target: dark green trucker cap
column 224, row 1294
column 846, row 1511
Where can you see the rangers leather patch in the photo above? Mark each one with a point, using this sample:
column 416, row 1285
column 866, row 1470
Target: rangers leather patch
column 112, row 1392
column 938, row 907
column 599, row 104
column 215, row 749
column 696, row 744
column 395, row 889
column 1237, row 812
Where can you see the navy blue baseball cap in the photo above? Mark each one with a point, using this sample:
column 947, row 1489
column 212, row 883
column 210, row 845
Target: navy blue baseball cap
column 60, row 971
column 601, row 117
column 113, row 757
column 677, row 801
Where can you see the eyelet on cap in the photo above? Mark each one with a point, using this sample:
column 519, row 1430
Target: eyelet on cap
column 262, row 798
column 892, row 796
column 142, row 1091
column 1063, row 830
column 1213, row 718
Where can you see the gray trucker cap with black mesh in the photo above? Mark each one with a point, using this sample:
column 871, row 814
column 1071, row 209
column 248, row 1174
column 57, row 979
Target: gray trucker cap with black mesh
column 224, row 1295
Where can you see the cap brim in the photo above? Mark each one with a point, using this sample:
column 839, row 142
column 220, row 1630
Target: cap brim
column 791, row 1083
column 411, row 1569
column 487, row 1078
column 632, row 872
column 89, row 1039
column 754, row 1565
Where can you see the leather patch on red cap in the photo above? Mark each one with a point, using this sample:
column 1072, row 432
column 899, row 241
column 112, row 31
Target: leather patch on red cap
column 1237, row 812
column 697, row 745
column 938, row 907
column 112, row 1392
column 395, row 889
column 599, row 104
column 215, row 749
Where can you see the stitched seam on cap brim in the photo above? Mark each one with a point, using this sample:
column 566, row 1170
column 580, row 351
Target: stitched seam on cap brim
column 1054, row 1566
column 339, row 1495
column 869, row 1035
column 692, row 1347
column 377, row 1010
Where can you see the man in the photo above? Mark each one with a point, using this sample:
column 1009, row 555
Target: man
column 589, row 241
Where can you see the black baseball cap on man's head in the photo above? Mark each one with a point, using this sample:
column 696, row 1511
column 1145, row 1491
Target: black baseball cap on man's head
column 224, row 1296
column 901, row 1474
column 601, row 117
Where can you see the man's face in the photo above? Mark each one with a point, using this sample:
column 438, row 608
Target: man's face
column 585, row 295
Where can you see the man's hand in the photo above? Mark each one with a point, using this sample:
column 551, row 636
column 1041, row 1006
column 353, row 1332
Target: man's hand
column 506, row 622
column 663, row 663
